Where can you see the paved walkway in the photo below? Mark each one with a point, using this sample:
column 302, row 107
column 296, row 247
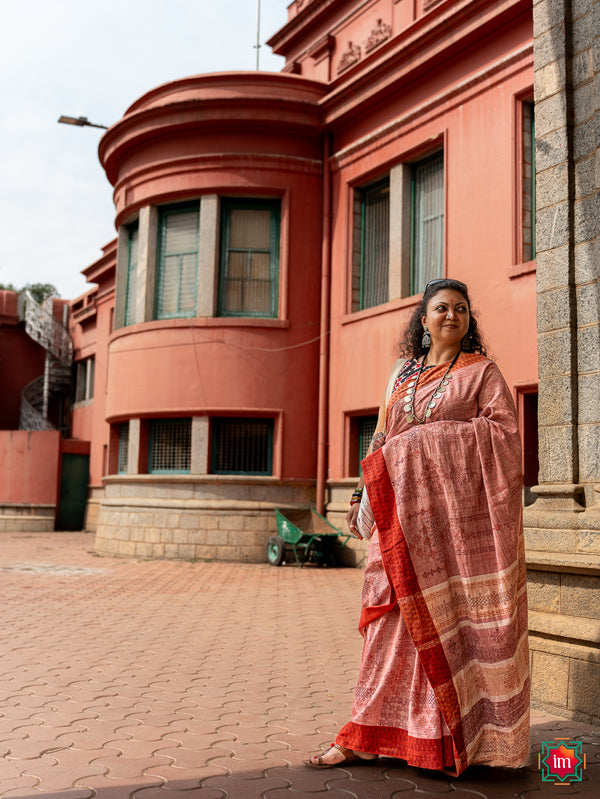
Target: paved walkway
column 173, row 680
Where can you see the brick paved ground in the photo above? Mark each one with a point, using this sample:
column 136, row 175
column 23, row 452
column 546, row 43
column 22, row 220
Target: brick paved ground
column 161, row 680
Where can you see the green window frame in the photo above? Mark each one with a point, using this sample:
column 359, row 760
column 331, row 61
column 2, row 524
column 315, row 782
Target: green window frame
column 242, row 446
column 249, row 258
column 131, row 283
column 427, row 222
column 177, row 261
column 170, row 446
column 122, row 467
column 372, row 250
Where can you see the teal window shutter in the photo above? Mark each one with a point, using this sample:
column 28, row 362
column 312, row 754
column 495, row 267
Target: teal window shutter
column 249, row 258
column 177, row 267
column 131, row 287
column 375, row 244
column 427, row 222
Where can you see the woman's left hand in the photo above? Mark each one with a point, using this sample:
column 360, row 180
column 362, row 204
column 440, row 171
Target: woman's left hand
column 351, row 520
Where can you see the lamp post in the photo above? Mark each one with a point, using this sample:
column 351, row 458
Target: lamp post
column 81, row 122
column 257, row 46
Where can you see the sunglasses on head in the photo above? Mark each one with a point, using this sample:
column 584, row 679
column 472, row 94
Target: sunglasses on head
column 462, row 285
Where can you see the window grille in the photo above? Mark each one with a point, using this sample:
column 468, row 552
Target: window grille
column 170, row 445
column 242, row 446
column 177, row 268
column 123, row 448
column 248, row 281
column 131, row 289
column 366, row 428
column 528, row 201
column 427, row 222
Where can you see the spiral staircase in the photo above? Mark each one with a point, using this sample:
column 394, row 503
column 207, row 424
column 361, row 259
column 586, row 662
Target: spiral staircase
column 54, row 386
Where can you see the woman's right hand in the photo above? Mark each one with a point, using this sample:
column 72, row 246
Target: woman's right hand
column 351, row 519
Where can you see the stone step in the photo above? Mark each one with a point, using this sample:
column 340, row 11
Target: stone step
column 573, row 563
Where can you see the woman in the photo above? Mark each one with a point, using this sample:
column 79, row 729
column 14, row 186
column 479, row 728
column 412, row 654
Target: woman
column 444, row 677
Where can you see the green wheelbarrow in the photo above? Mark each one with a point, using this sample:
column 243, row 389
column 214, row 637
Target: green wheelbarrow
column 306, row 534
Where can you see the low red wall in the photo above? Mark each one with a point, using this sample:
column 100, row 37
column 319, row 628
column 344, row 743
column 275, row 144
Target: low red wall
column 29, row 467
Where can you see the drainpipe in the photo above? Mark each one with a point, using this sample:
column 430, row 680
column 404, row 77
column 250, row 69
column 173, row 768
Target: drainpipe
column 324, row 331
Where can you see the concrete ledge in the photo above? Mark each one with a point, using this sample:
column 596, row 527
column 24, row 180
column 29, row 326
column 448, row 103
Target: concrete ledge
column 568, row 628
column 573, row 563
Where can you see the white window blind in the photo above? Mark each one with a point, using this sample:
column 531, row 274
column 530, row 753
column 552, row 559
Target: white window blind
column 249, row 258
column 428, row 222
column 177, row 263
column 375, row 238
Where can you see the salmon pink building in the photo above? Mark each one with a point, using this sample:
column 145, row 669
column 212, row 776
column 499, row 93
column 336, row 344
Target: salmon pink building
column 275, row 232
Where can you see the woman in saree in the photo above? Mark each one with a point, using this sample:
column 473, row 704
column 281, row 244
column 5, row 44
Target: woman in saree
column 444, row 675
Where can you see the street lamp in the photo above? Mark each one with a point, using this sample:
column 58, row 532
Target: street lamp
column 81, row 121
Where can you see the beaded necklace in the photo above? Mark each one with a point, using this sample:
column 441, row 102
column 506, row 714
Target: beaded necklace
column 438, row 393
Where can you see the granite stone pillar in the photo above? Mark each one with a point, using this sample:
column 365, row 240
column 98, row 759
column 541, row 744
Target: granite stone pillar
column 562, row 527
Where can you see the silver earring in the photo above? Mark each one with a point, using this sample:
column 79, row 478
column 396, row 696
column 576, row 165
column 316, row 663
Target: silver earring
column 426, row 340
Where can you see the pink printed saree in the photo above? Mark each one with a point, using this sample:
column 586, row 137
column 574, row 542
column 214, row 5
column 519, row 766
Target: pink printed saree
column 444, row 677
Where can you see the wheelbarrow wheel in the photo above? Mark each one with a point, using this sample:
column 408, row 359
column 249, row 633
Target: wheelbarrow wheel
column 275, row 550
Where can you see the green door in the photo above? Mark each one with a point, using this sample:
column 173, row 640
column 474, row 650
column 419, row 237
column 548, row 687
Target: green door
column 74, row 480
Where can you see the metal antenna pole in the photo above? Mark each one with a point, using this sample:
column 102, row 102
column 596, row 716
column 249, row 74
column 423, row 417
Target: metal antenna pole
column 257, row 45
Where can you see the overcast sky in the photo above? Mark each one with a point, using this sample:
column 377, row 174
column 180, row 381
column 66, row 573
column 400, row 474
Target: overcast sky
column 93, row 58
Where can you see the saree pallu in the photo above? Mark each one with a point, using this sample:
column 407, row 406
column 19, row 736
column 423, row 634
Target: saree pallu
column 444, row 676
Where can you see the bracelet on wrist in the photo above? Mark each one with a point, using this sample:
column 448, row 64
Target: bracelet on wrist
column 354, row 501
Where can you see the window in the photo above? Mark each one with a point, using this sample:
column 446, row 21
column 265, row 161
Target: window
column 528, row 180
column 427, row 221
column 84, row 379
column 131, row 288
column 249, row 266
column 123, row 448
column 366, row 428
column 371, row 237
column 242, row 446
column 360, row 433
column 177, row 261
column 170, row 446
column 527, row 404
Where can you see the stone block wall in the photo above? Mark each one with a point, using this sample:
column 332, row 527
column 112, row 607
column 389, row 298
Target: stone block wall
column 27, row 518
column 562, row 527
column 194, row 517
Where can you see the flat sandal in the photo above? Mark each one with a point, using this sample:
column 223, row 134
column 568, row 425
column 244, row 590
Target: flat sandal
column 349, row 757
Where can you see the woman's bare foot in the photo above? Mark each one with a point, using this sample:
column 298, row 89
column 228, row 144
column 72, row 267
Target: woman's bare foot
column 337, row 755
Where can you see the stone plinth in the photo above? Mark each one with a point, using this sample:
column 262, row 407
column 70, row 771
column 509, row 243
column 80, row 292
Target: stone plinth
column 194, row 517
column 27, row 518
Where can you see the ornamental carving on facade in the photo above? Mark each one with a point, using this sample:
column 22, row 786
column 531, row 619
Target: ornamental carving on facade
column 379, row 34
column 349, row 58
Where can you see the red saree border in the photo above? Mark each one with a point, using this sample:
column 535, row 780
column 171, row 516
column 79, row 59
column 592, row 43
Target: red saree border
column 403, row 579
column 390, row 741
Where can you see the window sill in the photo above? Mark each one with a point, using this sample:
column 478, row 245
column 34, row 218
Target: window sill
column 198, row 322
column 378, row 310
column 82, row 404
column 526, row 268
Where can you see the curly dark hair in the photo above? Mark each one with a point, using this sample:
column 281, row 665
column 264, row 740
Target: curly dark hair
column 410, row 346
